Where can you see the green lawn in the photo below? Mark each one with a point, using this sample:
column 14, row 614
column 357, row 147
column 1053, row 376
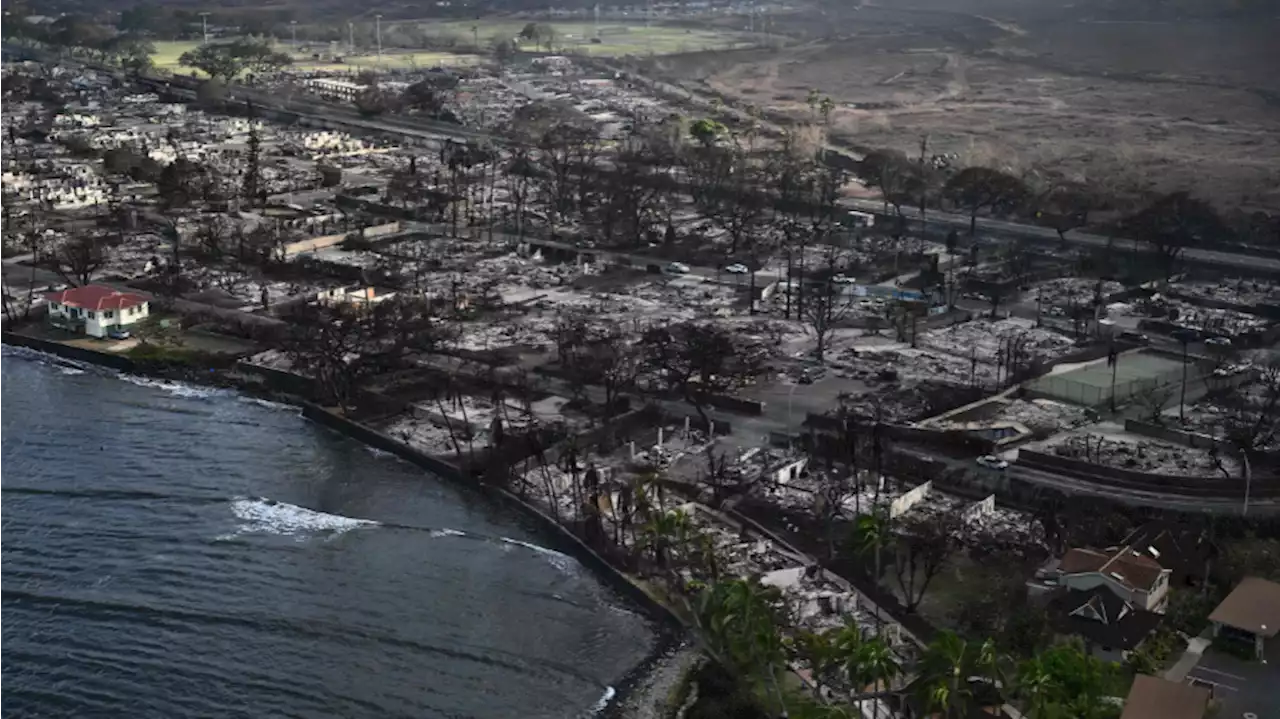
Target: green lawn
column 616, row 38
column 390, row 60
column 168, row 52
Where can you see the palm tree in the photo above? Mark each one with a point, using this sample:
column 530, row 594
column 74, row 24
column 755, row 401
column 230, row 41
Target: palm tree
column 739, row 620
column 946, row 669
column 666, row 531
column 818, row 650
column 866, row 663
column 869, row 537
column 879, row 665
column 1036, row 687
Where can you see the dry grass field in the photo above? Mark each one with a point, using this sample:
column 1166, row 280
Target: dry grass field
column 1178, row 105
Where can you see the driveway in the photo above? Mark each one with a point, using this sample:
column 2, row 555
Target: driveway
column 1247, row 690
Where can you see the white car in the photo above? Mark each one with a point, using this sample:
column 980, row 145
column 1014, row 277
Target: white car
column 843, row 280
column 991, row 461
column 737, row 269
column 678, row 268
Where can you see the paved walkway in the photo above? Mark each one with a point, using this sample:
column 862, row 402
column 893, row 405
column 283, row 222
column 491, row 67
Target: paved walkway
column 1191, row 657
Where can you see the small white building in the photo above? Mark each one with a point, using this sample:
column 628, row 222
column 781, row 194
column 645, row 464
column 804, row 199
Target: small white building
column 96, row 310
column 335, row 88
column 364, row 296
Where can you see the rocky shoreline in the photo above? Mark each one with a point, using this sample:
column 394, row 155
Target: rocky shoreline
column 659, row 692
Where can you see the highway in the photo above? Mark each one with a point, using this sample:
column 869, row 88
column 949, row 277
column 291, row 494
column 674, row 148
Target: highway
column 1184, row 502
column 991, row 226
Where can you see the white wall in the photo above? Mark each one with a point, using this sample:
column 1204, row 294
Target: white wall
column 97, row 324
column 903, row 504
column 138, row 314
column 1151, row 602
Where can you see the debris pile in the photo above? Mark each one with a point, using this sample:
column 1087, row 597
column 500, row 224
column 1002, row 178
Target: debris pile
column 994, row 341
column 1141, row 454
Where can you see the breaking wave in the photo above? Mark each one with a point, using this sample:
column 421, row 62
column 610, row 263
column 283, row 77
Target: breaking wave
column 603, row 702
column 269, row 404
column 63, row 365
column 259, row 515
column 177, row 389
column 267, row 516
column 559, row 560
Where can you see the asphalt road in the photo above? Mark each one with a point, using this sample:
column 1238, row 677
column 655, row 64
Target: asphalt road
column 989, row 226
column 1140, row 497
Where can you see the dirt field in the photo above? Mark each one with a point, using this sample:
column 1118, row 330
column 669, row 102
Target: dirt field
column 1179, row 105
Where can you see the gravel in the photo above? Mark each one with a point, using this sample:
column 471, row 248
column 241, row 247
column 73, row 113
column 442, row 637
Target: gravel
column 649, row 698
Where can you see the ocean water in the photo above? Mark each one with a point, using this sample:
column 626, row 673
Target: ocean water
column 176, row 551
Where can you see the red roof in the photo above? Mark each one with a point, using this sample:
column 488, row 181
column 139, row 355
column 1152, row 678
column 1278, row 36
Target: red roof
column 96, row 297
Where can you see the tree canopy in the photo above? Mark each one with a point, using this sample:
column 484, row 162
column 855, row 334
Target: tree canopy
column 227, row 61
column 1174, row 222
column 983, row 188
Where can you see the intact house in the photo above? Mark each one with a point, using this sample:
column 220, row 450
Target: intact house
column 1113, row 598
column 1249, row 615
column 1156, row 698
column 1126, row 572
column 1183, row 549
column 96, row 310
column 1110, row 626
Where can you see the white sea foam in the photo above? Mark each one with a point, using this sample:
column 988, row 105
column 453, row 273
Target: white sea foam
column 603, row 702
column 446, row 532
column 266, row 516
column 63, row 365
column 177, row 389
column 559, row 560
column 269, row 404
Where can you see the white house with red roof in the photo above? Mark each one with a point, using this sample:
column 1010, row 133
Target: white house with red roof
column 96, row 310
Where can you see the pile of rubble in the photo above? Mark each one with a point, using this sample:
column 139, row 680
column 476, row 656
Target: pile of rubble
column 1043, row 416
column 1236, row 291
column 1141, row 454
column 897, row 364
column 1225, row 322
column 1068, row 292
column 990, row 340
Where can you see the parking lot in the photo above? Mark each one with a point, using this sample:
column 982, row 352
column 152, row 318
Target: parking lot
column 1246, row 690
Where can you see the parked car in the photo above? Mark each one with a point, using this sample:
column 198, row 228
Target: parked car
column 811, row 375
column 678, row 268
column 990, row 461
column 843, row 280
column 1135, row 337
column 1218, row 342
column 118, row 333
column 737, row 268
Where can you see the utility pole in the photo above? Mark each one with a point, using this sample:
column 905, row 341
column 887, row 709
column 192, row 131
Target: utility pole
column 293, row 30
column 377, row 19
column 597, row 16
column 924, row 187
column 351, row 38
column 204, row 26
